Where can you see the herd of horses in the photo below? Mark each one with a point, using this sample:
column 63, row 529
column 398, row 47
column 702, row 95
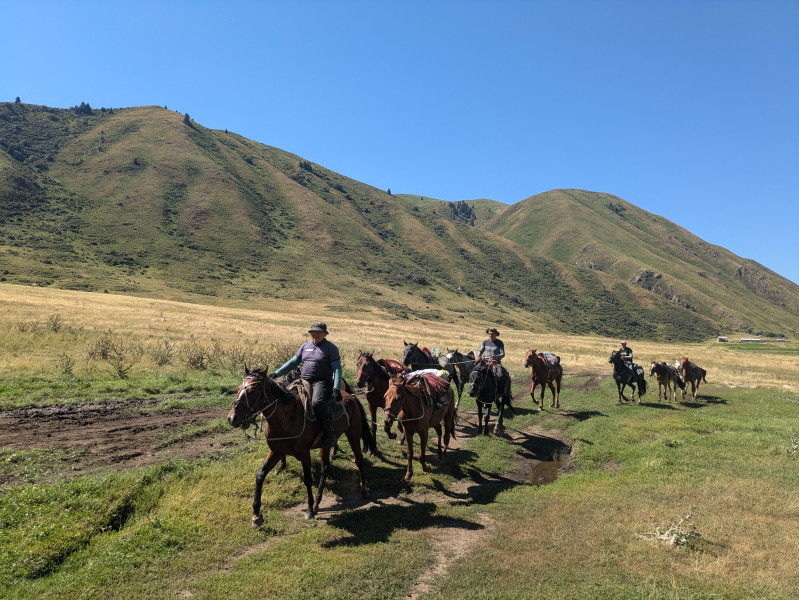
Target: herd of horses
column 406, row 402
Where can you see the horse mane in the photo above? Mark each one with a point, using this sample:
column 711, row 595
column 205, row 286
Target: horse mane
column 274, row 387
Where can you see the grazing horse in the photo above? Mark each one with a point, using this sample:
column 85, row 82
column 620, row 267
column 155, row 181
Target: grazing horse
column 667, row 377
column 692, row 374
column 375, row 375
column 407, row 402
column 417, row 358
column 290, row 433
column 486, row 390
column 624, row 376
column 545, row 374
column 464, row 364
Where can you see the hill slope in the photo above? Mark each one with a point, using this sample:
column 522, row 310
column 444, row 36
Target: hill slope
column 145, row 201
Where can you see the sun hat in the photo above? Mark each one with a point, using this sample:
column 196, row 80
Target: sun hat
column 318, row 327
column 490, row 329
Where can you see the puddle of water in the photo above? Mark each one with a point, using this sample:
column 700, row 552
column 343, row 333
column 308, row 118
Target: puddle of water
column 547, row 471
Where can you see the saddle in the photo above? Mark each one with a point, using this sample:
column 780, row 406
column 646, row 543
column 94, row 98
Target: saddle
column 434, row 387
column 303, row 390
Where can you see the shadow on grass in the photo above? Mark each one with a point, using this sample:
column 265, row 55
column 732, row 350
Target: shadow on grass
column 377, row 523
column 660, row 405
column 702, row 400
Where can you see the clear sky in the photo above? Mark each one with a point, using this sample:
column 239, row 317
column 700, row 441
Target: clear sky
column 686, row 108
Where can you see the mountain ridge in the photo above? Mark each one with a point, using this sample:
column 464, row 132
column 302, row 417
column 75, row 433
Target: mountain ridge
column 145, row 201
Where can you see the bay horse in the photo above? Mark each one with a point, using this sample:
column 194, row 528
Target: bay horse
column 375, row 375
column 417, row 358
column 486, row 390
column 667, row 377
column 624, row 376
column 406, row 401
column 464, row 364
column 544, row 374
column 692, row 374
column 289, row 433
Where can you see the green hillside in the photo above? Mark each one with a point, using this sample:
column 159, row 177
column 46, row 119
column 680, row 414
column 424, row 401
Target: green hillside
column 147, row 202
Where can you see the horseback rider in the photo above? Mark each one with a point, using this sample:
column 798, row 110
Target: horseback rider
column 321, row 368
column 626, row 353
column 493, row 351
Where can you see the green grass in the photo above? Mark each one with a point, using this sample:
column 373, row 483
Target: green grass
column 728, row 460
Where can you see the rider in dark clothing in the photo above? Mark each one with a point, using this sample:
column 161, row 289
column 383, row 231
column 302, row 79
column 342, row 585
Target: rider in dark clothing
column 321, row 367
column 493, row 351
column 626, row 352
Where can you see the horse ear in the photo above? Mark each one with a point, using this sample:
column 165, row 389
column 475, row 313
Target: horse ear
column 246, row 370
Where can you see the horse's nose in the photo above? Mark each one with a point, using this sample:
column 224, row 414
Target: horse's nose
column 231, row 418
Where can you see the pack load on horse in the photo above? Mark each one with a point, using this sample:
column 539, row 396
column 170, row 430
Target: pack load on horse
column 411, row 404
column 416, row 359
column 374, row 376
column 487, row 389
column 546, row 370
column 667, row 378
column 627, row 374
column 289, row 431
column 464, row 364
column 692, row 374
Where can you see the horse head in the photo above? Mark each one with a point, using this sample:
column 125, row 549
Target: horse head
column 363, row 370
column 394, row 395
column 250, row 398
column 409, row 352
column 652, row 368
column 477, row 378
column 529, row 357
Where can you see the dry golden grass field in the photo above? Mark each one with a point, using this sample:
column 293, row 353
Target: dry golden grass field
column 151, row 321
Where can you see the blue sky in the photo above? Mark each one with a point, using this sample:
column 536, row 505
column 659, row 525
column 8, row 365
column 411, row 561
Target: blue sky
column 686, row 108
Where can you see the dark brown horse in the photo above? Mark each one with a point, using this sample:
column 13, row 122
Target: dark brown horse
column 375, row 375
column 464, row 364
column 544, row 373
column 692, row 374
column 417, row 358
column 407, row 402
column 289, row 433
column 625, row 374
column 667, row 378
column 487, row 389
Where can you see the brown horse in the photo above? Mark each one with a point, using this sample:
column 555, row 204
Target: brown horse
column 374, row 375
column 692, row 374
column 667, row 378
column 544, row 374
column 407, row 402
column 289, row 433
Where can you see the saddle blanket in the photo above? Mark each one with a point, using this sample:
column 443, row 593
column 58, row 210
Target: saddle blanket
column 436, row 383
column 551, row 359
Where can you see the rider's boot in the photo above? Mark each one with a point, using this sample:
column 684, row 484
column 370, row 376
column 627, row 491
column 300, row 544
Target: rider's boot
column 323, row 413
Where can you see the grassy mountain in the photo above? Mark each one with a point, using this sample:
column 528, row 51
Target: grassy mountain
column 145, row 201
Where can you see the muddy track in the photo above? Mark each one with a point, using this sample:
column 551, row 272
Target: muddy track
column 118, row 435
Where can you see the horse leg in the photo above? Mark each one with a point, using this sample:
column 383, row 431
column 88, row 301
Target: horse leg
column 532, row 392
column 557, row 394
column 306, row 475
column 282, row 466
column 354, row 438
column 271, row 460
column 373, row 414
column 552, row 389
column 423, row 448
column 484, row 427
column 500, row 410
column 388, row 421
column 409, row 452
column 440, row 435
column 324, row 455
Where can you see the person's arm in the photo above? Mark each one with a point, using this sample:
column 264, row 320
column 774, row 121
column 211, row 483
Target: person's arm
column 336, row 364
column 500, row 351
column 481, row 350
column 288, row 366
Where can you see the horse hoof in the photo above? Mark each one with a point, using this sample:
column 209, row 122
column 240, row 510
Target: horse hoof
column 309, row 515
column 391, row 436
column 257, row 520
column 365, row 492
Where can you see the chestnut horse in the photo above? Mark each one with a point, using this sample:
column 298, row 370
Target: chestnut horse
column 374, row 375
column 666, row 377
column 544, row 374
column 692, row 374
column 289, row 433
column 407, row 402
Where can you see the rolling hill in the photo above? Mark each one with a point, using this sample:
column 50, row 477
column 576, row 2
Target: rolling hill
column 145, row 201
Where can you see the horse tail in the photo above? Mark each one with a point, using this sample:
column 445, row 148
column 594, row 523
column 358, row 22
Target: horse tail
column 703, row 374
column 454, row 423
column 641, row 386
column 680, row 383
column 366, row 431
